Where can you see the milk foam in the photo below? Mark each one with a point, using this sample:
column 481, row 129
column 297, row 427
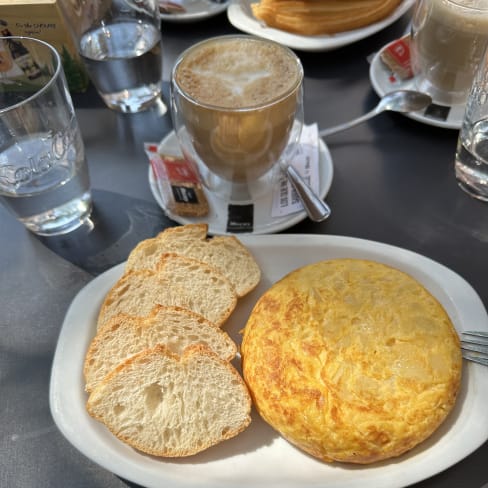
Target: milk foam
column 236, row 73
column 463, row 19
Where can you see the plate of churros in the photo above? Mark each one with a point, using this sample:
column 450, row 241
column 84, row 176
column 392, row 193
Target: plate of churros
column 315, row 26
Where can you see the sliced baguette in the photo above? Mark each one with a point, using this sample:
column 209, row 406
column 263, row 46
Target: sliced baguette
column 226, row 253
column 176, row 281
column 169, row 405
column 125, row 335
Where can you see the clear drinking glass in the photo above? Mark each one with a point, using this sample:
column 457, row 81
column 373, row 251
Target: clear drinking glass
column 448, row 38
column 44, row 178
column 237, row 108
column 472, row 148
column 120, row 44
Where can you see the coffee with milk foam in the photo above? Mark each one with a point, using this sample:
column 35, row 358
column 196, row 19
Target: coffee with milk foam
column 237, row 73
column 239, row 98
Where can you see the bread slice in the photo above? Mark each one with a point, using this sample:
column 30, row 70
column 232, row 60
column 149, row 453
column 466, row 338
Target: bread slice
column 176, row 281
column 226, row 253
column 125, row 335
column 169, row 405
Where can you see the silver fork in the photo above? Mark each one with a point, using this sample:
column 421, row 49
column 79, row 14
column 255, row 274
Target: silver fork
column 474, row 346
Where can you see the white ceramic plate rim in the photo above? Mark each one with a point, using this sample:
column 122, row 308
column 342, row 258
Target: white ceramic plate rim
column 258, row 456
column 241, row 19
column 213, row 9
column 216, row 223
column 378, row 73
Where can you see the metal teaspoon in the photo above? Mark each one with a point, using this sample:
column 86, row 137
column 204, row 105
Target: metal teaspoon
column 402, row 101
column 317, row 210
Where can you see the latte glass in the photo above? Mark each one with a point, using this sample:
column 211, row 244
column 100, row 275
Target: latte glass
column 237, row 109
column 448, row 39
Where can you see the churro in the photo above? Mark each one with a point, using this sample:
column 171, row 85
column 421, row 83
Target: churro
column 316, row 17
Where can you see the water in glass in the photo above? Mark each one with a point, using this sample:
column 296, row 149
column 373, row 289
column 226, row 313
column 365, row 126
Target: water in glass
column 125, row 63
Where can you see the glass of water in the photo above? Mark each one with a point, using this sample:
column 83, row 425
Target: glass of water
column 472, row 147
column 120, row 44
column 44, row 178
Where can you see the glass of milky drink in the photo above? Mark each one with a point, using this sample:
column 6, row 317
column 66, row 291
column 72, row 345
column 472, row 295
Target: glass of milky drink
column 119, row 42
column 237, row 110
column 448, row 38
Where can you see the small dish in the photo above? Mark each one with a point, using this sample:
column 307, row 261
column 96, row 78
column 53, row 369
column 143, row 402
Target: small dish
column 240, row 16
column 219, row 213
column 383, row 81
column 191, row 10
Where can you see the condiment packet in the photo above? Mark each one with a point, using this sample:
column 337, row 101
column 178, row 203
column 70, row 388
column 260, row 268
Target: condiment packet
column 178, row 183
column 396, row 56
column 306, row 161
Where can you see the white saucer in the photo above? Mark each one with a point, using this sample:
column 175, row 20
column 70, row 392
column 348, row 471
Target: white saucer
column 240, row 16
column 217, row 217
column 195, row 10
column 448, row 117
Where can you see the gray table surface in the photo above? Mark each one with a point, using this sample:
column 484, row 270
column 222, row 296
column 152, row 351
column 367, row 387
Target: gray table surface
column 393, row 182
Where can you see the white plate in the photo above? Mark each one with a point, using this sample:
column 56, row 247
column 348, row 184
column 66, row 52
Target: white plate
column 259, row 457
column 195, row 10
column 264, row 223
column 447, row 117
column 240, row 16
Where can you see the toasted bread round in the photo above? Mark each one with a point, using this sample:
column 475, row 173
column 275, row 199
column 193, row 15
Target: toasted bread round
column 169, row 405
column 225, row 253
column 176, row 281
column 351, row 360
column 125, row 335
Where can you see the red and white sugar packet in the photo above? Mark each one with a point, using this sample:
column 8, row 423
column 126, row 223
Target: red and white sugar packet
column 178, row 183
